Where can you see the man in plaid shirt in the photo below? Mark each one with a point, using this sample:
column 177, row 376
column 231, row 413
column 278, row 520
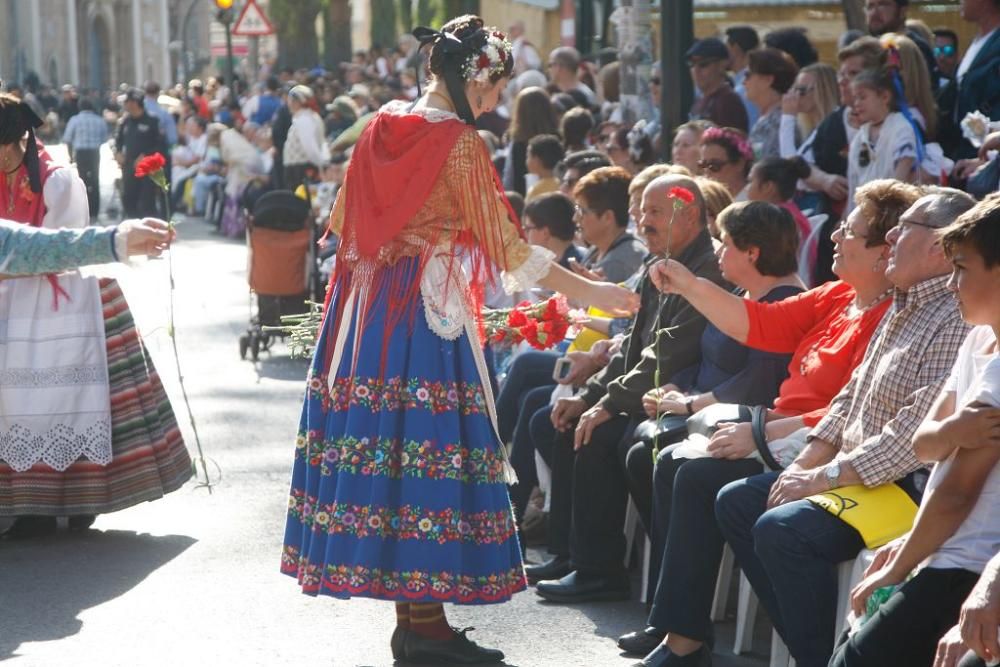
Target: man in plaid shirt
column 85, row 133
column 789, row 548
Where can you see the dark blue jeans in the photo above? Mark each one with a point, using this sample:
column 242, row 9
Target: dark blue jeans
column 522, row 454
column 789, row 554
column 528, row 371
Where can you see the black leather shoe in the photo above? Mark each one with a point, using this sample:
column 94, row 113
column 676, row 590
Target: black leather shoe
column 459, row 650
column 554, row 568
column 396, row 643
column 641, row 642
column 27, row 527
column 81, row 522
column 662, row 657
column 577, row 587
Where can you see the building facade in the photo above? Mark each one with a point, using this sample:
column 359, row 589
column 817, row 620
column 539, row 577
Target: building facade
column 98, row 44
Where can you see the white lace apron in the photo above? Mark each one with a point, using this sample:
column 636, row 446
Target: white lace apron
column 54, row 396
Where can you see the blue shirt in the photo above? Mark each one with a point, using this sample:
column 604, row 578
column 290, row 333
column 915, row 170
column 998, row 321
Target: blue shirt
column 168, row 126
column 739, row 85
column 267, row 105
column 85, row 131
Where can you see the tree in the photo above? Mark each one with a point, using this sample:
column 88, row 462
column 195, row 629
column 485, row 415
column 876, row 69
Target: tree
column 406, row 14
column 453, row 8
column 854, row 14
column 427, row 12
column 337, row 33
column 295, row 23
column 384, row 30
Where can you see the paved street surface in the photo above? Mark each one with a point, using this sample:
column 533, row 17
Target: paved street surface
column 193, row 579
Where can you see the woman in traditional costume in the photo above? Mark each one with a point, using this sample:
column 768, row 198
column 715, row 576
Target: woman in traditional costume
column 85, row 425
column 399, row 485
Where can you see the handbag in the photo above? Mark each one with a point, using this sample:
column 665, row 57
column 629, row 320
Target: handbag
column 702, row 425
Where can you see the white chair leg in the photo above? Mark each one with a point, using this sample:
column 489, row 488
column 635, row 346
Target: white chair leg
column 746, row 617
column 631, row 530
column 779, row 652
column 647, row 550
column 722, row 583
column 845, row 572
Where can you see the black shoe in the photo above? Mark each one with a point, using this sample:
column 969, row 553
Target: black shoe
column 459, row 650
column 397, row 641
column 662, row 657
column 641, row 642
column 81, row 522
column 578, row 587
column 554, row 568
column 28, row 527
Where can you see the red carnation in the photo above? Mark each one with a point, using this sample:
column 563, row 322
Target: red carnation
column 517, row 319
column 503, row 55
column 483, row 62
column 149, row 165
column 681, row 194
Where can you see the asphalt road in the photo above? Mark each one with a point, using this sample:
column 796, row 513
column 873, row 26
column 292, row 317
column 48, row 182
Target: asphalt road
column 193, row 579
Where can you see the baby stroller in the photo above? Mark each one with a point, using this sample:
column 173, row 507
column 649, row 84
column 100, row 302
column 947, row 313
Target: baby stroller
column 280, row 265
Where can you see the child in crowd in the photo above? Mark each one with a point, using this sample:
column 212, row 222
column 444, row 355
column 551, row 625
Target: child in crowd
column 773, row 180
column 957, row 529
column 544, row 153
column 886, row 146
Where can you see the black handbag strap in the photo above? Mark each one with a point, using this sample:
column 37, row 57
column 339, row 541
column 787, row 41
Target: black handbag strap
column 757, row 423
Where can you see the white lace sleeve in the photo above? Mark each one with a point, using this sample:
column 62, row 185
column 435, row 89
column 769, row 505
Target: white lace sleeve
column 530, row 272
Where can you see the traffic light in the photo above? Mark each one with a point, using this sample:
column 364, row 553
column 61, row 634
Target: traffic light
column 224, row 14
column 224, row 4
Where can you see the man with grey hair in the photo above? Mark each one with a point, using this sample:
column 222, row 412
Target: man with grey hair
column 525, row 54
column 589, row 489
column 786, row 545
column 564, row 74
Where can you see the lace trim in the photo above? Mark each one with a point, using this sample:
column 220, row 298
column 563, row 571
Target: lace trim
column 59, row 448
column 61, row 376
column 533, row 269
column 402, row 108
column 445, row 288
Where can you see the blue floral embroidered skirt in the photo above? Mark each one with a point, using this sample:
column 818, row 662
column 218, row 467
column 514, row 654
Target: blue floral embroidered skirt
column 398, row 489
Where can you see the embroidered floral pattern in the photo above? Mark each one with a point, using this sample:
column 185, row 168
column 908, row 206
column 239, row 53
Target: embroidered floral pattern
column 408, row 522
column 397, row 459
column 395, row 394
column 396, row 585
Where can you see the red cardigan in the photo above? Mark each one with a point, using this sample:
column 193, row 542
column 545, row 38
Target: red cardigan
column 825, row 343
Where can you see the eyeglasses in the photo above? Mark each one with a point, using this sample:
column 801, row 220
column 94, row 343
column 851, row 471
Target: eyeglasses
column 848, row 233
column 580, row 211
column 702, row 63
column 802, row 91
column 568, row 182
column 915, row 223
column 528, row 228
column 714, row 166
column 944, row 50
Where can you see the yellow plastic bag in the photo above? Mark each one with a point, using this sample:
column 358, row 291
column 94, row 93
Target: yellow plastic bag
column 587, row 337
column 879, row 514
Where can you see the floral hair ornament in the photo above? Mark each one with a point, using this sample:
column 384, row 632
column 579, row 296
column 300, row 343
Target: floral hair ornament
column 490, row 60
column 732, row 137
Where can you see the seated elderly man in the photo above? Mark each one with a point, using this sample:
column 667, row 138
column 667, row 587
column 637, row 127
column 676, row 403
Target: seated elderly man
column 787, row 546
column 589, row 491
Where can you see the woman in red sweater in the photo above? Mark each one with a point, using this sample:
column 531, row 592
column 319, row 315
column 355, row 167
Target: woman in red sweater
column 826, row 330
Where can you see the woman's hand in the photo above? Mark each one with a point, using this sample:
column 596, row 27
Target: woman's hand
column 790, row 102
column 671, row 277
column 148, row 236
column 614, row 299
column 732, row 441
column 991, row 143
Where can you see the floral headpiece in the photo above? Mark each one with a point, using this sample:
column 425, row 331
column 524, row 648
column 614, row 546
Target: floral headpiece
column 737, row 140
column 490, row 60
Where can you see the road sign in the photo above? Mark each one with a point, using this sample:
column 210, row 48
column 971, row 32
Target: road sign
column 252, row 22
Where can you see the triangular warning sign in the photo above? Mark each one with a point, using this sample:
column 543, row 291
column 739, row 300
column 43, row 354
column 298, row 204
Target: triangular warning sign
column 252, row 22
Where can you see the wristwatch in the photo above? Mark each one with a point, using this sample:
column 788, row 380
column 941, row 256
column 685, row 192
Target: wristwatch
column 689, row 405
column 832, row 474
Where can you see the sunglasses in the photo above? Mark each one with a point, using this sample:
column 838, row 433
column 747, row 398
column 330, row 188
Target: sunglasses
column 714, row 166
column 802, row 91
column 946, row 50
column 703, row 63
column 865, row 156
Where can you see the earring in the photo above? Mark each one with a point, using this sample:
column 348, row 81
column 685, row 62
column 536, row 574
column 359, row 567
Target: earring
column 479, row 101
